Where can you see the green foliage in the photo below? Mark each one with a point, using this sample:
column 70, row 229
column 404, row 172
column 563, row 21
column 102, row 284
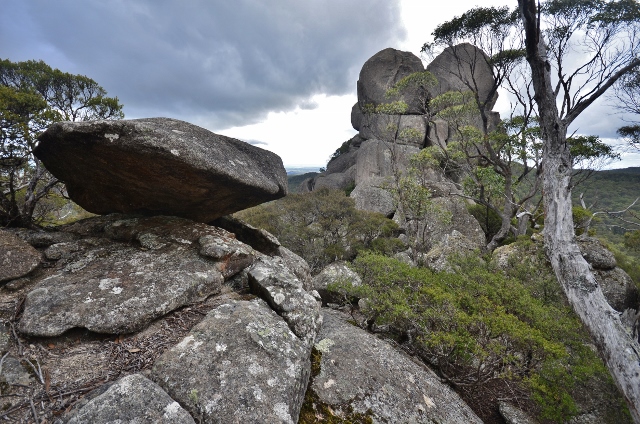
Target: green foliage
column 324, row 226
column 479, row 325
column 472, row 22
column 582, row 218
column 632, row 240
column 631, row 133
column 398, row 107
column 33, row 96
column 412, row 196
column 587, row 151
column 455, row 107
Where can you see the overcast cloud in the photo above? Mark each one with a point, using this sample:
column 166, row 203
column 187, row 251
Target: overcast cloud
column 229, row 62
column 278, row 73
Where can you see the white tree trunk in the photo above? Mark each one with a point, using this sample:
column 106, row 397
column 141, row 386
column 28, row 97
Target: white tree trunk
column 619, row 351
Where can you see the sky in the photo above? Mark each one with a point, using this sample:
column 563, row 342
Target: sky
column 279, row 74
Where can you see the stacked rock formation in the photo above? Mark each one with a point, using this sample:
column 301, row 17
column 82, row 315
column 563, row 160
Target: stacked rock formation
column 168, row 312
column 381, row 150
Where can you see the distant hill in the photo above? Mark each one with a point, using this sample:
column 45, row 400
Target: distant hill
column 610, row 190
column 296, row 179
column 301, row 170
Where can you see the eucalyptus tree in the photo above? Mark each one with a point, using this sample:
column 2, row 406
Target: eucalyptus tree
column 33, row 96
column 577, row 50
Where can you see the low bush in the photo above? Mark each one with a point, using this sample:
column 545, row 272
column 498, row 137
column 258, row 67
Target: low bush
column 479, row 327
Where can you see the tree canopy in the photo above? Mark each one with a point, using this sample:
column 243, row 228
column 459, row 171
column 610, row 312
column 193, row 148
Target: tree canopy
column 33, row 96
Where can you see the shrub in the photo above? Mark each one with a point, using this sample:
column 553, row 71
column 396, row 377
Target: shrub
column 324, row 226
column 479, row 326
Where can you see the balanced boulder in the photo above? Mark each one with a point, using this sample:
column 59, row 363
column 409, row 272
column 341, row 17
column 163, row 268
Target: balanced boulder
column 159, row 166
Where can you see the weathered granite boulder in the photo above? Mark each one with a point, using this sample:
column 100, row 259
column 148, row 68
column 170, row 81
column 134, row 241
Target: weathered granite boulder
column 451, row 244
column 382, row 71
column 377, row 158
column 618, row 288
column 356, row 117
column 17, row 257
column 362, row 374
column 336, row 181
column 464, row 67
column 159, row 166
column 343, row 162
column 372, row 196
column 241, row 364
column 438, row 133
column 403, row 129
column 132, row 399
column 137, row 270
column 337, row 272
column 596, row 254
column 460, row 220
column 275, row 283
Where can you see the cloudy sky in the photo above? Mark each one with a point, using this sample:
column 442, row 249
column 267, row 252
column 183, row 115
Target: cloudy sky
column 280, row 74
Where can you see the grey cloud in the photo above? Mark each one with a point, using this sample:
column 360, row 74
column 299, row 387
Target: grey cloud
column 231, row 62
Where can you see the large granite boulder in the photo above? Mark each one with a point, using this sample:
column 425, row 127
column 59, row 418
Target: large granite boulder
column 241, row 364
column 464, row 67
column 401, row 129
column 359, row 373
column 381, row 72
column 136, row 270
column 17, row 257
column 159, row 166
column 373, row 196
column 377, row 158
column 132, row 399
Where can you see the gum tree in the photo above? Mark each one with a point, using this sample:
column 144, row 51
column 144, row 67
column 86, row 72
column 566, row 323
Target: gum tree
column 576, row 51
column 33, row 96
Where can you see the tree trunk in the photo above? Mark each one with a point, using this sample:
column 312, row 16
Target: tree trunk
column 619, row 351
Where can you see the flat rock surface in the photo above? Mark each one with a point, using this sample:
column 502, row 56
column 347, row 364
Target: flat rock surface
column 129, row 271
column 359, row 371
column 241, row 364
column 132, row 399
column 159, row 166
column 17, row 257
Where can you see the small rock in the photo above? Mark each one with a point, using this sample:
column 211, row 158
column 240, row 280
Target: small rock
column 514, row 415
column 17, row 258
column 132, row 399
column 337, row 272
column 13, row 372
